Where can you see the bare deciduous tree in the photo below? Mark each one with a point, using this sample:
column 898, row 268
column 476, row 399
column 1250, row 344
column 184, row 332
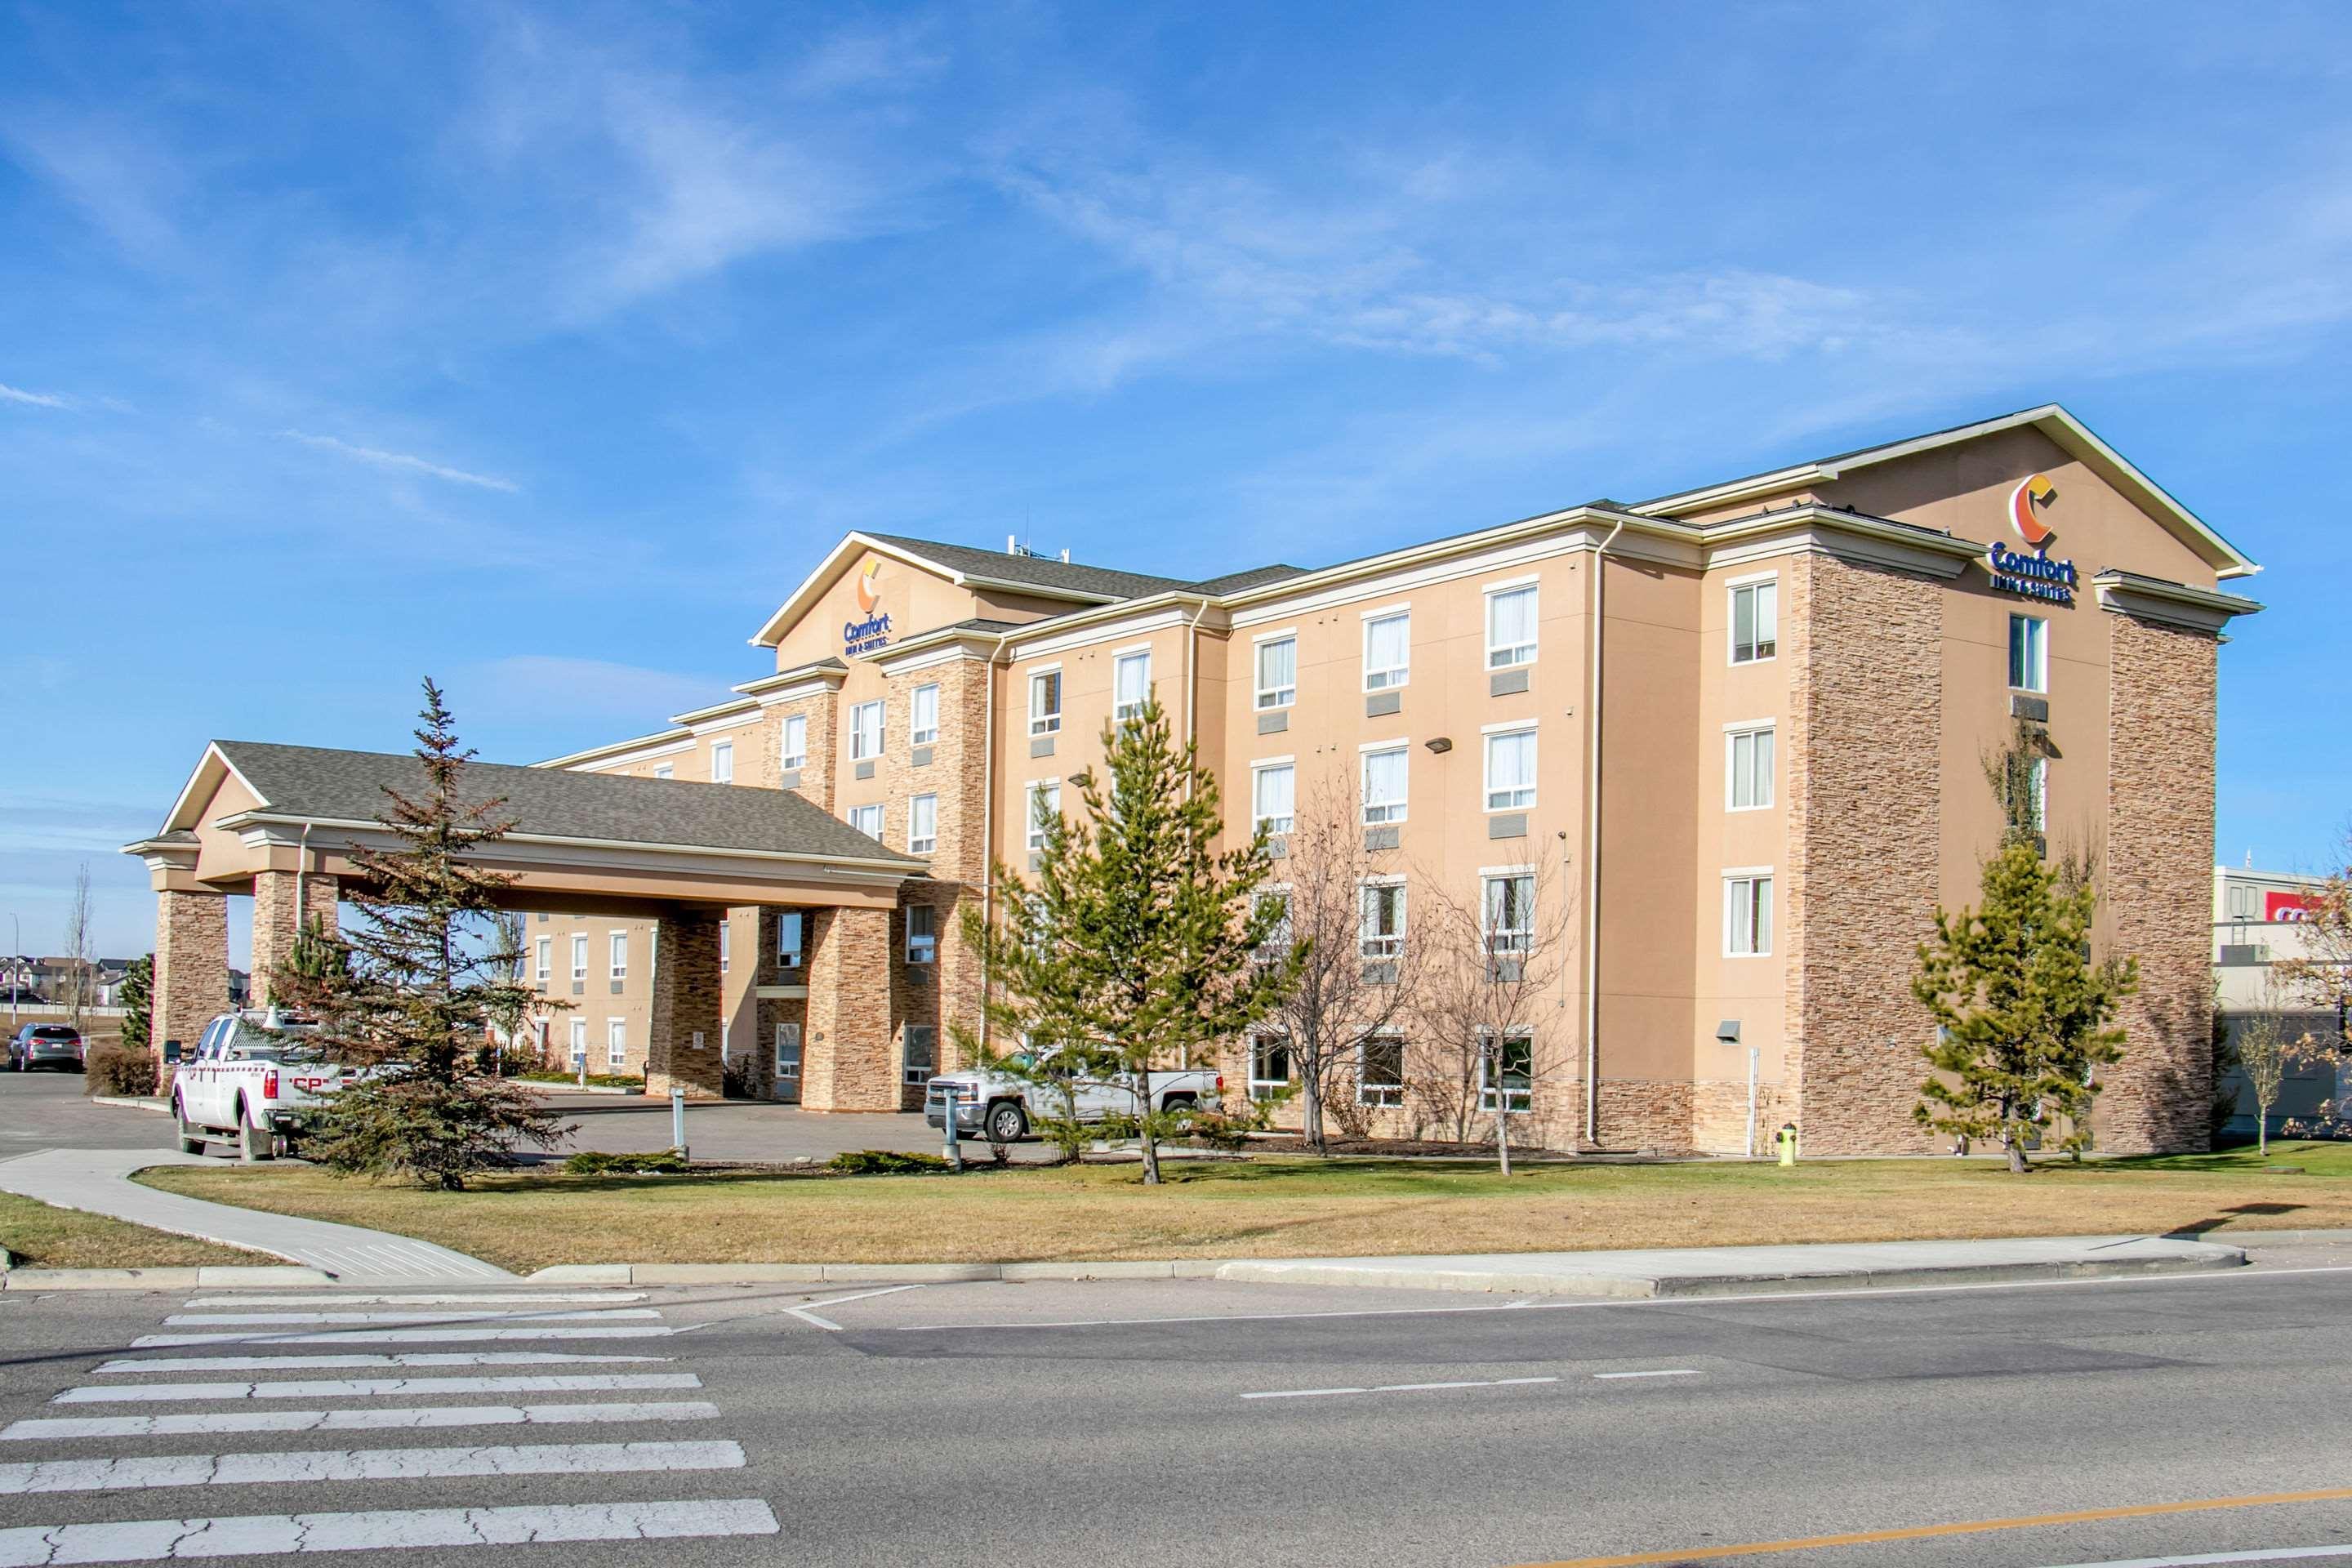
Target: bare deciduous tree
column 1347, row 907
column 1486, row 1013
column 2266, row 1048
column 79, row 992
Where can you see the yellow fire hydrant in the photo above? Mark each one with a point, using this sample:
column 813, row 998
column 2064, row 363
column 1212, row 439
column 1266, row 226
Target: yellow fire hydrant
column 1786, row 1138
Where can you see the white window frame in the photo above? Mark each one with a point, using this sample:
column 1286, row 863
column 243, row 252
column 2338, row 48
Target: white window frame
column 918, row 732
column 1752, row 730
column 1516, row 655
column 1271, row 698
column 792, row 743
column 1266, row 1088
column 616, row 1043
column 1488, row 737
column 1519, row 1101
column 866, row 729
column 1289, row 822
column 543, row 958
column 579, row 956
column 908, row 1071
column 616, row 955
column 1043, row 720
column 579, row 1044
column 1386, row 813
column 722, row 762
column 1051, row 792
column 791, row 939
column 859, row 815
column 1741, row 905
column 1124, row 709
column 726, row 942
column 923, row 947
column 1388, row 678
column 787, row 1040
column 1383, row 1094
column 922, row 838
column 2036, row 654
column 1501, row 940
column 1382, row 947
column 1755, row 587
column 664, row 771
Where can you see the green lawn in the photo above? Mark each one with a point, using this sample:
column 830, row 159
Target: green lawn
column 42, row 1237
column 1291, row 1207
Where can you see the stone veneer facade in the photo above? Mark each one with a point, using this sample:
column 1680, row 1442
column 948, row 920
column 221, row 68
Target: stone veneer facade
column 276, row 923
column 191, row 978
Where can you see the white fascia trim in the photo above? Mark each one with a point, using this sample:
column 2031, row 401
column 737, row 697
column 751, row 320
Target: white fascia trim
column 796, row 693
column 1743, row 726
column 933, row 660
column 2172, row 604
column 212, row 753
column 1289, row 631
column 1545, row 528
column 1733, row 872
column 1676, row 545
column 1070, row 638
column 1529, row 580
column 1397, row 744
column 668, row 749
column 618, row 751
column 848, row 867
column 735, row 722
column 1385, row 611
column 1506, row 726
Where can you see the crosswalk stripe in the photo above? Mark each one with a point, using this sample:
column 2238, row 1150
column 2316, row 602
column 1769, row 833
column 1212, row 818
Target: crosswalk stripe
column 344, row 1298
column 269, row 1319
column 143, row 1366
column 57, row 1429
column 412, row 1336
column 146, row 1541
column 374, row 1387
column 298, row 1465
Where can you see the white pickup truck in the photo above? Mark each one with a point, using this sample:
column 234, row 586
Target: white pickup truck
column 1002, row 1105
column 248, row 1083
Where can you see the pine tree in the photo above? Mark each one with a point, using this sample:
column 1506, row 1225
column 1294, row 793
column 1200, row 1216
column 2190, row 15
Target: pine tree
column 1140, row 945
column 136, row 996
column 406, row 991
column 2024, row 1013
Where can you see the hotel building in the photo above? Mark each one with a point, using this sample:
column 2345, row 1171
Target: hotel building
column 1741, row 728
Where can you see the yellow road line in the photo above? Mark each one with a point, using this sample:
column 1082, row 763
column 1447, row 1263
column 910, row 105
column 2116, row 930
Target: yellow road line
column 1969, row 1527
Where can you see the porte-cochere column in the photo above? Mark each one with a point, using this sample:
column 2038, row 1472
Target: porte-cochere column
column 848, row 1063
column 686, row 1006
column 191, row 982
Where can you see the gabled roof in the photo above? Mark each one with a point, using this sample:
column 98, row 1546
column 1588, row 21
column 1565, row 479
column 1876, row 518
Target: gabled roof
column 967, row 567
column 316, row 784
column 1255, row 577
column 2072, row 437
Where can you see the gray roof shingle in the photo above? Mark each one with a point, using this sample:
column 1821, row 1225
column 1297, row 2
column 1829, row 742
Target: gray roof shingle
column 1036, row 571
column 349, row 786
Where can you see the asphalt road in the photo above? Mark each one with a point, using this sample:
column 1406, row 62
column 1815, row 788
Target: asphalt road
column 1198, row 1423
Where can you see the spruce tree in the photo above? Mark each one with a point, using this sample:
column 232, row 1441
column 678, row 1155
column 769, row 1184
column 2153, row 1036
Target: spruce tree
column 1141, row 946
column 406, row 994
column 136, row 998
column 2024, row 1013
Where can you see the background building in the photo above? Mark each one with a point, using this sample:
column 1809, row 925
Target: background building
column 2258, row 924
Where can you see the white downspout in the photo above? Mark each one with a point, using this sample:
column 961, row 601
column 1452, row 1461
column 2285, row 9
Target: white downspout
column 988, row 822
column 1191, row 681
column 1592, row 860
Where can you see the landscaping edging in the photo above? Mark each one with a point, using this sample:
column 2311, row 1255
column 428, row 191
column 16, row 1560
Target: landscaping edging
column 207, row 1276
column 542, row 1087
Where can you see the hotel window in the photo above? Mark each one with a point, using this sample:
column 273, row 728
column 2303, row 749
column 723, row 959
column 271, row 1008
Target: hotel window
column 866, row 819
column 1388, row 651
column 1269, row 1069
column 792, row 751
column 922, row 823
column 543, row 957
column 865, row 732
column 661, row 770
column 726, row 945
column 922, row 1052
column 1747, row 914
column 1748, row 768
column 788, row 1053
column 1508, row 901
column 1380, row 933
column 722, row 762
column 1510, row 770
column 1044, row 805
column 1384, row 785
column 1278, row 672
column 579, row 1045
column 789, row 937
column 1276, row 945
column 923, row 720
column 2029, row 653
column 1272, row 796
column 1131, row 685
column 580, row 957
column 1046, row 702
column 1516, row 1059
column 616, row 955
column 616, row 1043
column 2037, row 792
column 1511, row 627
column 923, row 933
column 1755, row 621
column 1380, row 1069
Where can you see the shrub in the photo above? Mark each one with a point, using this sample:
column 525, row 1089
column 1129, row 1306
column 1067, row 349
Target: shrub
column 663, row 1162
column 595, row 1080
column 887, row 1163
column 119, row 1069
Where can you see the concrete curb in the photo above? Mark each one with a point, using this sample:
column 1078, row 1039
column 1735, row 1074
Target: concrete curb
column 536, row 1087
column 212, row 1276
column 866, row 1273
column 125, row 1102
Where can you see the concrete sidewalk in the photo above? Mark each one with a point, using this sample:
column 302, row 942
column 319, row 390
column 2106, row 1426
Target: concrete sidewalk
column 98, row 1181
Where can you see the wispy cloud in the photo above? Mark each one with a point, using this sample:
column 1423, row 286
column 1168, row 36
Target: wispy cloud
column 404, row 461
column 36, row 399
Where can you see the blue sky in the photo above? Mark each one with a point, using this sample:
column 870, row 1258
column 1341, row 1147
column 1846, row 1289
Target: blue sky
column 545, row 350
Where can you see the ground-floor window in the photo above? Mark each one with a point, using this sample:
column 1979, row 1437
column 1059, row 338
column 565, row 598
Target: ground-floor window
column 1380, row 1069
column 922, row 1052
column 788, row 1053
column 579, row 1045
column 616, row 1042
column 1518, row 1061
column 1269, row 1065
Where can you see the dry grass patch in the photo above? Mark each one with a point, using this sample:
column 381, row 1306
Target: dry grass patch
column 1284, row 1208
column 42, row 1237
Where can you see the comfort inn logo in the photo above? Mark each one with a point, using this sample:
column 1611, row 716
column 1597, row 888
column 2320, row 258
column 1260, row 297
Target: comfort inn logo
column 869, row 595
column 2034, row 576
column 873, row 632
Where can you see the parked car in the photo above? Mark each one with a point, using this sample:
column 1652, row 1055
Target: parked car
column 1003, row 1105
column 250, row 1081
column 47, row 1046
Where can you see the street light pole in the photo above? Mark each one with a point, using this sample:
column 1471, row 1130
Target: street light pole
column 15, row 968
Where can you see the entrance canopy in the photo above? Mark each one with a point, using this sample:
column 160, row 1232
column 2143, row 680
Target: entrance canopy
column 593, row 843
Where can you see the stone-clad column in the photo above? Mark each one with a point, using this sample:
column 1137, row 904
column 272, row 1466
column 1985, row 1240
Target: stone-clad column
column 848, row 1063
column 685, row 1005
column 277, row 922
column 191, row 981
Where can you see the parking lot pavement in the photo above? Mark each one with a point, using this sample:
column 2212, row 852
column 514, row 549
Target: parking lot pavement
column 49, row 1111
